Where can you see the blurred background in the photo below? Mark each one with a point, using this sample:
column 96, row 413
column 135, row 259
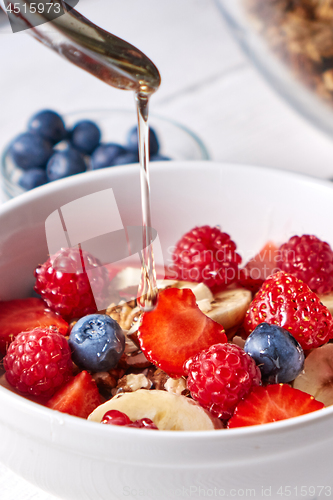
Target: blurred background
column 208, row 84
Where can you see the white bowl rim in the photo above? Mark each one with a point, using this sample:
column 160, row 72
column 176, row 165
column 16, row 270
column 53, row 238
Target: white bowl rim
column 170, row 165
column 21, row 403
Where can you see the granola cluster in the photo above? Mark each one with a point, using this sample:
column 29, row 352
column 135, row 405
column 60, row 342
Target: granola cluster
column 125, row 313
column 300, row 32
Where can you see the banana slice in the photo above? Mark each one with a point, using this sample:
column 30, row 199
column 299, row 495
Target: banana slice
column 168, row 411
column 327, row 300
column 126, row 278
column 317, row 377
column 229, row 307
column 203, row 295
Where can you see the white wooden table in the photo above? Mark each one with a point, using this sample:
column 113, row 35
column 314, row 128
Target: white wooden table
column 208, row 85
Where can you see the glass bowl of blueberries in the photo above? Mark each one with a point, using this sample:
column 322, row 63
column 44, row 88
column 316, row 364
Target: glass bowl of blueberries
column 54, row 146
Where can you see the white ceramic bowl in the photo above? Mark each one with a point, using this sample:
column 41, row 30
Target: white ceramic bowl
column 80, row 460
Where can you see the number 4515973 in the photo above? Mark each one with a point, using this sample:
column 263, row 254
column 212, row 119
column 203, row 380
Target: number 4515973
column 17, row 8
column 304, row 491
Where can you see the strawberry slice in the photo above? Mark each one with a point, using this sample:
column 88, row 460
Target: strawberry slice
column 177, row 330
column 262, row 265
column 272, row 403
column 21, row 315
column 286, row 301
column 79, row 397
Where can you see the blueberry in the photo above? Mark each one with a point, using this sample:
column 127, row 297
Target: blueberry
column 62, row 145
column 159, row 157
column 65, row 163
column 125, row 159
column 132, row 141
column 276, row 352
column 29, row 150
column 85, row 136
column 97, row 342
column 32, row 178
column 106, row 154
column 48, row 124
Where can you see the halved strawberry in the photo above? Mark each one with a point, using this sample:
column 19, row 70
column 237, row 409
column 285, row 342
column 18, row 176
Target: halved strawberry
column 272, row 403
column 177, row 330
column 286, row 301
column 20, row 315
column 262, row 265
column 79, row 397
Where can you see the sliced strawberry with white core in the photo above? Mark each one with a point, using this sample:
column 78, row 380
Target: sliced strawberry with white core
column 262, row 265
column 272, row 403
column 21, row 315
column 79, row 397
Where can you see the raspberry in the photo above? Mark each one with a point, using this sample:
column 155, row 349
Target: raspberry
column 219, row 377
column 65, row 287
column 206, row 255
column 309, row 259
column 38, row 362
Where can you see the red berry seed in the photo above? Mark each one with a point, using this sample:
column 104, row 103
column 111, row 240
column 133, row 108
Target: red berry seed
column 219, row 377
column 206, row 255
column 115, row 417
column 144, row 423
column 38, row 362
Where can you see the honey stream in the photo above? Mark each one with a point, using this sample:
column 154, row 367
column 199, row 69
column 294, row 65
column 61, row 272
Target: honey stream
column 123, row 66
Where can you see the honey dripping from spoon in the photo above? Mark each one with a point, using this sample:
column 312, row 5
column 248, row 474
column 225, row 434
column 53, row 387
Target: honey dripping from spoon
column 121, row 65
column 147, row 292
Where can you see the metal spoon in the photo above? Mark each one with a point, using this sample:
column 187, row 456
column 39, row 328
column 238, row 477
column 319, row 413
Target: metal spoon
column 88, row 46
